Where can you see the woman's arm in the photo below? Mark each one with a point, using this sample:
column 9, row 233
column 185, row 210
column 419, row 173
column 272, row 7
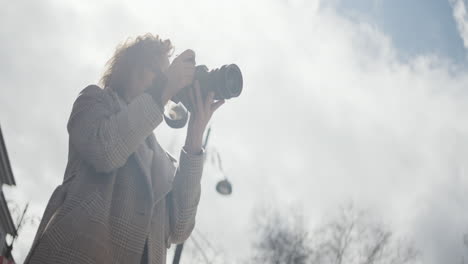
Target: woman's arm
column 185, row 194
column 106, row 139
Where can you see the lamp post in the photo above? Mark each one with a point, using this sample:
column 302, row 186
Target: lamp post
column 223, row 187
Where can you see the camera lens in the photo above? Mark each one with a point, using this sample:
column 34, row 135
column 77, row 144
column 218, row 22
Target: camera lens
column 226, row 82
column 233, row 81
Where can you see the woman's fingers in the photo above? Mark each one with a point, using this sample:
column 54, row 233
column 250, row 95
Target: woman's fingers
column 208, row 101
column 198, row 97
column 216, row 105
column 192, row 99
column 187, row 56
column 203, row 107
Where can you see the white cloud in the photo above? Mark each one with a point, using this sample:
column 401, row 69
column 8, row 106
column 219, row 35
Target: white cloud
column 328, row 112
column 459, row 13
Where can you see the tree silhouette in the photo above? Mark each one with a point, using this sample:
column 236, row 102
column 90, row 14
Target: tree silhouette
column 281, row 238
column 352, row 236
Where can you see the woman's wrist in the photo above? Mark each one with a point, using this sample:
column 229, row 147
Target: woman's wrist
column 159, row 91
column 193, row 147
column 165, row 96
column 194, row 139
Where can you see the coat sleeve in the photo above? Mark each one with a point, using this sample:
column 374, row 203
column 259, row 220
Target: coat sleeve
column 185, row 196
column 104, row 138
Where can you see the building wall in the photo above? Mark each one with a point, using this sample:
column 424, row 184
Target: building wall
column 2, row 241
column 2, row 234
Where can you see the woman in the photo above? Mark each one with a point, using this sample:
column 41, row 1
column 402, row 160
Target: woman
column 123, row 198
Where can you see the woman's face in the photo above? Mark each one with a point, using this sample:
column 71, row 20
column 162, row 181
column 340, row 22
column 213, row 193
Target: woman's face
column 154, row 72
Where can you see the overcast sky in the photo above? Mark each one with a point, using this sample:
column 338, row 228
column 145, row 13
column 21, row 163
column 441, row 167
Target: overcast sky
column 343, row 100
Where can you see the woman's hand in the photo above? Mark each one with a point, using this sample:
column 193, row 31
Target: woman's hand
column 201, row 113
column 179, row 74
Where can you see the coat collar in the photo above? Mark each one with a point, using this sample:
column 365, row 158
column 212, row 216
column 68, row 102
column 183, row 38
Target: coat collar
column 157, row 173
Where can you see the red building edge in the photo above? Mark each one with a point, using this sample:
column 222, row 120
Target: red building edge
column 7, row 225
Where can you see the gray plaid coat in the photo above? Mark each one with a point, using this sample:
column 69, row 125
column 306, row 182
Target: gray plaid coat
column 110, row 204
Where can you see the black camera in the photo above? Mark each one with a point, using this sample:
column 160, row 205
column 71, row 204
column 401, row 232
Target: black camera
column 226, row 82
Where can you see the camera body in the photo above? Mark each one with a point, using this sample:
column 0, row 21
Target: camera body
column 226, row 82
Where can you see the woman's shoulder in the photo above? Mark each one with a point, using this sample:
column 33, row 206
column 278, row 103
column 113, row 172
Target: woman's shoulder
column 92, row 88
column 93, row 93
column 93, row 100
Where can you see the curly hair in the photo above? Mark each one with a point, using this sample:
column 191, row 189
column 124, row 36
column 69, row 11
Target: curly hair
column 147, row 51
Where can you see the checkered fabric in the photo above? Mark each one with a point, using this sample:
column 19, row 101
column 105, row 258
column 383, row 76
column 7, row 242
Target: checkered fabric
column 109, row 204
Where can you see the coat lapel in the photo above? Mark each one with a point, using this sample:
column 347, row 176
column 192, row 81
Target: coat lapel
column 145, row 169
column 158, row 173
column 139, row 154
column 162, row 170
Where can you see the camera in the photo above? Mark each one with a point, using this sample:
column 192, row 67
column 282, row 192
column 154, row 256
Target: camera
column 225, row 82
